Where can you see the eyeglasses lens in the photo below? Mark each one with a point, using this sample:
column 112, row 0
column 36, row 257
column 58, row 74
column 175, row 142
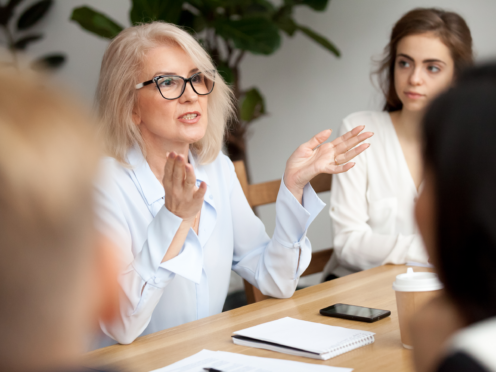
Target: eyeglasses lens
column 202, row 84
column 172, row 87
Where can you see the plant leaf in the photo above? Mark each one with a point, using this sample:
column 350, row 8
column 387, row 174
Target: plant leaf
column 33, row 14
column 48, row 62
column 13, row 4
column 144, row 11
column 5, row 15
column 257, row 35
column 318, row 5
column 7, row 11
column 192, row 23
column 253, row 105
column 96, row 22
column 226, row 72
column 284, row 21
column 22, row 43
column 258, row 7
column 321, row 40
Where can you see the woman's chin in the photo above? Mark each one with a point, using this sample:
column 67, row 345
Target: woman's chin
column 194, row 137
column 415, row 106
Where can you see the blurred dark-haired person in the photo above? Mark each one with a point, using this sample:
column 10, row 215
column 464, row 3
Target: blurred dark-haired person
column 57, row 277
column 372, row 207
column 456, row 215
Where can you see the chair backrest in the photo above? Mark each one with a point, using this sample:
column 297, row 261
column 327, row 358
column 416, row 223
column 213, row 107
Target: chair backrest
column 266, row 193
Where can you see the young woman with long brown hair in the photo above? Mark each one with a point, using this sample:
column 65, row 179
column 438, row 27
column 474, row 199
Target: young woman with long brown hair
column 372, row 207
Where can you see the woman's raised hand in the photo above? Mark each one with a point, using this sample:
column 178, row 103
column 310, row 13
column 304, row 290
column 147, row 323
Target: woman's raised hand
column 182, row 197
column 315, row 157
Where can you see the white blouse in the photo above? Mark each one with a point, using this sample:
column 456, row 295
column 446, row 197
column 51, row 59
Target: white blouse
column 477, row 340
column 372, row 204
column 194, row 284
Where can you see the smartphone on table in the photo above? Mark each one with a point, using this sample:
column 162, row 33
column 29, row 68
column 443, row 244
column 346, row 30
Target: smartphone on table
column 352, row 312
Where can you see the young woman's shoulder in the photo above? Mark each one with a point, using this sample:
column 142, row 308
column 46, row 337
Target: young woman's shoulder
column 373, row 120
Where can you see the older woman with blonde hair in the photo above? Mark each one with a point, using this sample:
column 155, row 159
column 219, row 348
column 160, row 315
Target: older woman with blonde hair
column 171, row 200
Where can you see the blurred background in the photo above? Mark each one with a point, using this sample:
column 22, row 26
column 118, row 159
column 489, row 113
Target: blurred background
column 305, row 87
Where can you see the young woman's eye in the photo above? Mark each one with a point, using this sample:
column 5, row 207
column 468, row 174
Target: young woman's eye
column 433, row 69
column 403, row 64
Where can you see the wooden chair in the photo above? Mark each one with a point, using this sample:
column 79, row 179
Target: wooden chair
column 266, row 193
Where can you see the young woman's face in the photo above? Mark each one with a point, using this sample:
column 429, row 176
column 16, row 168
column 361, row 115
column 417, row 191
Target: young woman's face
column 170, row 122
column 423, row 69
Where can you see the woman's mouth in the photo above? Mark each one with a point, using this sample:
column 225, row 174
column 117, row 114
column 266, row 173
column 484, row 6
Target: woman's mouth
column 413, row 95
column 190, row 117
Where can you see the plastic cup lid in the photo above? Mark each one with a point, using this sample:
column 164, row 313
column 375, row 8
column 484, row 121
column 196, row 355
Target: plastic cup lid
column 417, row 282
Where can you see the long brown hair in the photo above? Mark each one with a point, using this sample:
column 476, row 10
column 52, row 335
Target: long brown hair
column 450, row 27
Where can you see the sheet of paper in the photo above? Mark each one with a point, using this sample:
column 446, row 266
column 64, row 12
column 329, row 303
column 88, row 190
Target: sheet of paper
column 281, row 364
column 315, row 337
column 231, row 362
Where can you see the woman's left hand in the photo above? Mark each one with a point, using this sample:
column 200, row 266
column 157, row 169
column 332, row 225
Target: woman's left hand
column 314, row 157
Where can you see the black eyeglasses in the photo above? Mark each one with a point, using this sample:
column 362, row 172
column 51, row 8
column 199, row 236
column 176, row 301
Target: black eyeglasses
column 173, row 87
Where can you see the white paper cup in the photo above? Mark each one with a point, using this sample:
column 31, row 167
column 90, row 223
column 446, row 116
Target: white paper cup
column 413, row 290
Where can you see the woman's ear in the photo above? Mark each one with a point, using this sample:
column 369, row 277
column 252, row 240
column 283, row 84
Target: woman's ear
column 136, row 117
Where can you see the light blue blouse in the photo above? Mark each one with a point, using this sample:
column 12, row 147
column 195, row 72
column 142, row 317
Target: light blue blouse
column 194, row 284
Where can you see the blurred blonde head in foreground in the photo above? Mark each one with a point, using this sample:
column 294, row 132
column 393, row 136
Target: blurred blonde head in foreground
column 52, row 277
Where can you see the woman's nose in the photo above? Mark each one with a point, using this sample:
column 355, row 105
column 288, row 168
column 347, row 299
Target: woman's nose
column 189, row 94
column 416, row 77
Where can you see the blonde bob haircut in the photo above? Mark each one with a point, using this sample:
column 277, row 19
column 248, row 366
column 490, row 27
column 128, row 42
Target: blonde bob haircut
column 117, row 96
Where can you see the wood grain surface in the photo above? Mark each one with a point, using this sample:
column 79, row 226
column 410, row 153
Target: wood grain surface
column 370, row 288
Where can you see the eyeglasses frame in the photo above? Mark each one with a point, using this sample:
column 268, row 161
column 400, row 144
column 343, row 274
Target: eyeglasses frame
column 186, row 81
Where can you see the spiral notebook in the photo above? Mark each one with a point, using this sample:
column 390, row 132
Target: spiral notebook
column 302, row 338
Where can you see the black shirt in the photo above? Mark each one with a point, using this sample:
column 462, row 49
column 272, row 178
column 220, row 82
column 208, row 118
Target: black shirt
column 460, row 362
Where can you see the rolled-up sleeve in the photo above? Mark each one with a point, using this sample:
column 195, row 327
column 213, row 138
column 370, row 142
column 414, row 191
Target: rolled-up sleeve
column 273, row 265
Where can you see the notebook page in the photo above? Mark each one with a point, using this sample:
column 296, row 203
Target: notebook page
column 301, row 334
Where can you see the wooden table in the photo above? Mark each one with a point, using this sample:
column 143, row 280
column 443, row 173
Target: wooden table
column 371, row 288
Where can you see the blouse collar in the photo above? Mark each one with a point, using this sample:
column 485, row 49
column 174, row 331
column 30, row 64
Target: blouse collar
column 151, row 187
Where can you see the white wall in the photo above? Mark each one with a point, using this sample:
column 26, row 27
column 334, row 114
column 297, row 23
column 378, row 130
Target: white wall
column 306, row 88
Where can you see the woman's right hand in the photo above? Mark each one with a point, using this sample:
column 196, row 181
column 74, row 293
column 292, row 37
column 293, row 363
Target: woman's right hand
column 182, row 197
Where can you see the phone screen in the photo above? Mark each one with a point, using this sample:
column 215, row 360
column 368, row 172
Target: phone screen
column 353, row 312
